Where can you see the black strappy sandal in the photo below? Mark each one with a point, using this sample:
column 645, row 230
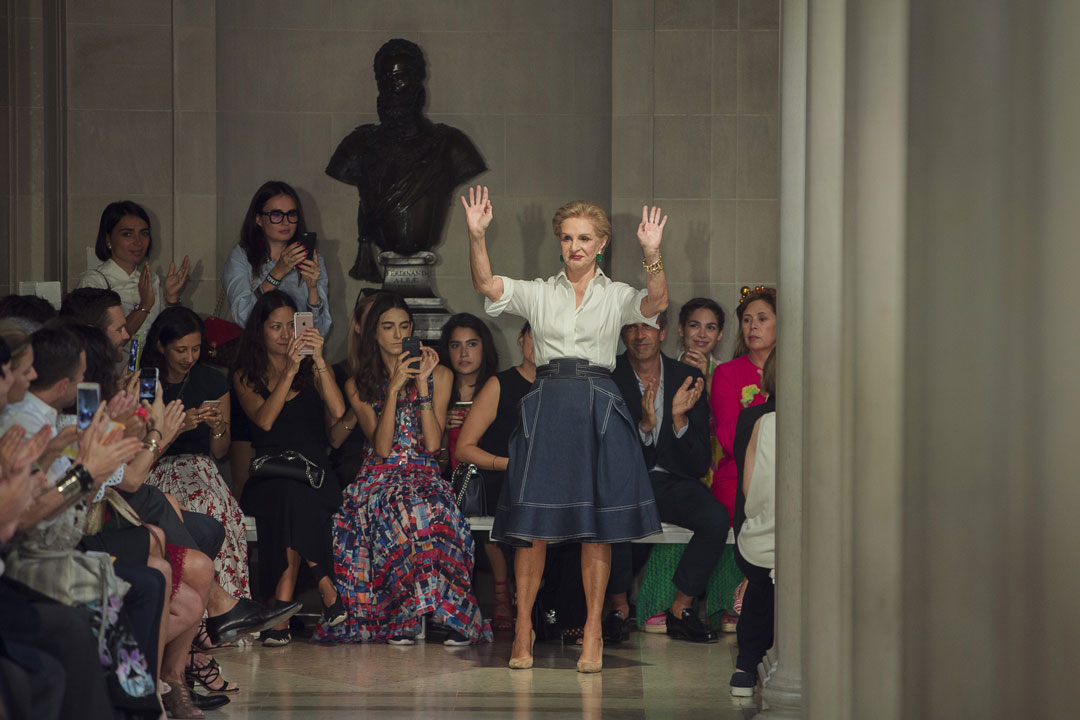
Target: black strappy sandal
column 207, row 675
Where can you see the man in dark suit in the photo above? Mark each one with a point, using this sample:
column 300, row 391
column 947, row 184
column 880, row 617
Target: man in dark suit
column 667, row 401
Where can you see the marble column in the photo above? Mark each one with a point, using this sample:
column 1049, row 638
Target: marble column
column 782, row 667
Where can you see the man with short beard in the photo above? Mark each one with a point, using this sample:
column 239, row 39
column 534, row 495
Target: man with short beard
column 405, row 167
column 102, row 309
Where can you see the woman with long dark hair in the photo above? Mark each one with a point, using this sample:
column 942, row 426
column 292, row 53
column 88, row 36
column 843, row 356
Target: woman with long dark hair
column 402, row 549
column 187, row 468
column 287, row 391
column 276, row 252
column 467, row 348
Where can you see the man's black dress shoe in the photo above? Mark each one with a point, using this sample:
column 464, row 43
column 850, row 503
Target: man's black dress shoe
column 247, row 617
column 209, row 702
column 689, row 627
column 615, row 628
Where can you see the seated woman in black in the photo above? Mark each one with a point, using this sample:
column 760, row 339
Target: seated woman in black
column 287, row 391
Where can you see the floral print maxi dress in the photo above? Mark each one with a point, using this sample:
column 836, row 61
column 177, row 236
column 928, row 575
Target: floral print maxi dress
column 402, row 549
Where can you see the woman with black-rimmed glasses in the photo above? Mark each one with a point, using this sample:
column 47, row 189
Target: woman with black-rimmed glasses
column 273, row 254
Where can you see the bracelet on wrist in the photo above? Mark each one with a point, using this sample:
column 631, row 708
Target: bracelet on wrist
column 221, row 433
column 272, row 280
column 154, row 430
column 140, row 308
column 315, row 306
column 423, row 399
column 426, row 405
column 653, row 268
column 152, row 446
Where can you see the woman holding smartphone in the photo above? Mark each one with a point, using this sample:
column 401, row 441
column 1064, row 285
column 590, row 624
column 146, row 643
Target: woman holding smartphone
column 187, row 469
column 287, row 391
column 401, row 546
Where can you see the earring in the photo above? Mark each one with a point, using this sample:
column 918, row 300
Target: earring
column 599, row 257
column 560, row 257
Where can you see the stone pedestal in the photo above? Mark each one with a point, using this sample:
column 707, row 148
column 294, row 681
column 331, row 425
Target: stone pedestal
column 410, row 276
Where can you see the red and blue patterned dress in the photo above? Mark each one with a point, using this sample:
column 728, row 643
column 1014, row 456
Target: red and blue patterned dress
column 402, row 549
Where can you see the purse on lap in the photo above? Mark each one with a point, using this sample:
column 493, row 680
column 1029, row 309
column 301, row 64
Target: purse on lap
column 468, row 484
column 290, row 465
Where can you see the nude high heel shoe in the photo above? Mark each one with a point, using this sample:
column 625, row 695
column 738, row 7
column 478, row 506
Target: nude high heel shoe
column 526, row 662
column 592, row 666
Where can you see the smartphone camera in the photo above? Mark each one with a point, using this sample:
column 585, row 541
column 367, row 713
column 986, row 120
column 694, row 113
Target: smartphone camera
column 308, row 241
column 411, row 345
column 87, row 400
column 148, row 380
column 303, row 321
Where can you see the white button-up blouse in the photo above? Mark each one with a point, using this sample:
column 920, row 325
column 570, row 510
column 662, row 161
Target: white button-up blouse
column 559, row 328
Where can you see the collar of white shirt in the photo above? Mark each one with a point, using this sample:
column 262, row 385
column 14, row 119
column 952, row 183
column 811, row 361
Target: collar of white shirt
column 598, row 277
column 32, row 413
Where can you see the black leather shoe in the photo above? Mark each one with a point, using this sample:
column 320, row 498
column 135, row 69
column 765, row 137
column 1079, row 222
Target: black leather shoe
column 209, row 702
column 247, row 617
column 688, row 627
column 615, row 628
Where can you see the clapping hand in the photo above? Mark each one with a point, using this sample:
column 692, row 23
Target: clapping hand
column 175, row 279
column 651, row 230
column 697, row 359
column 648, row 409
column 686, row 396
column 478, row 212
column 146, row 287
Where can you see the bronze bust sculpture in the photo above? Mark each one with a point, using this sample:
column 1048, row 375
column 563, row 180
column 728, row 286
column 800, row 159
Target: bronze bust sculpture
column 405, row 168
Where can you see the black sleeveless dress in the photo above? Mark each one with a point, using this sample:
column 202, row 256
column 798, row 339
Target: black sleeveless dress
column 512, row 387
column 289, row 513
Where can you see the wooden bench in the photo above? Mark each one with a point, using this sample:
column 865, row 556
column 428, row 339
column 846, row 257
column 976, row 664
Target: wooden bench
column 669, row 533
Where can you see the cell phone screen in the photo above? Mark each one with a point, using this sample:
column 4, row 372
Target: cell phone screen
column 148, row 378
column 133, row 356
column 88, row 399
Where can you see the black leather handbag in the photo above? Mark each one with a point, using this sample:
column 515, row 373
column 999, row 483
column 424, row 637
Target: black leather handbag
column 290, row 465
column 468, row 484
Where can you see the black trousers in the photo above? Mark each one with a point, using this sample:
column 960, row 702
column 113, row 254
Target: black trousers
column 688, row 503
column 755, row 629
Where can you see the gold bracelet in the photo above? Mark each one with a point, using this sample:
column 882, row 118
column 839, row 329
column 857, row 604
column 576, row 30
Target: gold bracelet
column 152, row 446
column 218, row 436
column 654, row 267
column 426, row 405
column 321, row 369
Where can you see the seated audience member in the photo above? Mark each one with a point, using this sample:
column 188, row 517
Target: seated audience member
column 22, row 360
column 229, row 616
column 49, row 660
column 102, row 309
column 736, row 384
column 59, row 368
column 287, row 391
column 187, row 469
column 701, row 326
column 466, row 347
column 276, row 252
column 755, row 520
column 401, row 546
column 123, row 245
column 665, row 399
column 485, row 442
column 33, row 310
column 347, row 444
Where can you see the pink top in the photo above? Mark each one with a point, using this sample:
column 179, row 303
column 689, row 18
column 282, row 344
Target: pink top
column 735, row 386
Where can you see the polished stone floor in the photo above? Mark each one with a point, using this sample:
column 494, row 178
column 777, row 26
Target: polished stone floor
column 648, row 677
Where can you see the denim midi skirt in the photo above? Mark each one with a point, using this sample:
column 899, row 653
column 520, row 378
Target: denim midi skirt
column 576, row 468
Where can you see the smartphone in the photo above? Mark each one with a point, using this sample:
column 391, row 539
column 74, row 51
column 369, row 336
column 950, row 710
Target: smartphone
column 308, row 241
column 463, row 403
column 133, row 356
column 303, row 321
column 86, row 403
column 148, row 379
column 411, row 345
column 211, row 403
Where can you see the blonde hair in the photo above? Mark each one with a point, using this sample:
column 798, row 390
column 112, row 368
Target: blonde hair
column 17, row 339
column 583, row 209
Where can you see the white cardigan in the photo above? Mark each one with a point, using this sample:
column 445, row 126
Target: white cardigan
column 757, row 541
